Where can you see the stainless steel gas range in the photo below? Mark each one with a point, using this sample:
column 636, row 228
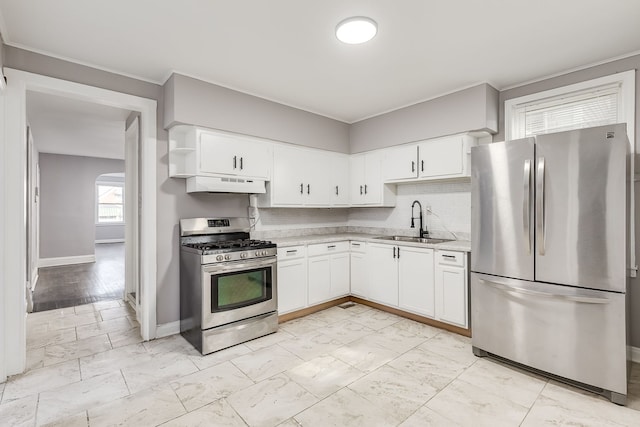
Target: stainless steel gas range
column 228, row 283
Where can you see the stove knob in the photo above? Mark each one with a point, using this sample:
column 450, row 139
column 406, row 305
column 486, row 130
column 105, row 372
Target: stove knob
column 219, row 258
column 257, row 253
column 264, row 252
column 227, row 257
column 243, row 255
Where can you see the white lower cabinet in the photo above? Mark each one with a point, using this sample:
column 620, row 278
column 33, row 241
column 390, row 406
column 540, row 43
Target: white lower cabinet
column 402, row 276
column 452, row 295
column 383, row 273
column 328, row 271
column 292, row 279
column 415, row 277
column 359, row 268
column 423, row 281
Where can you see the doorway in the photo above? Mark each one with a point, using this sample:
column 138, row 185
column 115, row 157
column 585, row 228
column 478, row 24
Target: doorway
column 76, row 224
column 13, row 227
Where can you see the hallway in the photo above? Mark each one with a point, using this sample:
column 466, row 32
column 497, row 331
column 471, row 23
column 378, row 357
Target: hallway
column 72, row 285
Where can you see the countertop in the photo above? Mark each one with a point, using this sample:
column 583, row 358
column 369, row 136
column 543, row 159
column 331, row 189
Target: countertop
column 454, row 245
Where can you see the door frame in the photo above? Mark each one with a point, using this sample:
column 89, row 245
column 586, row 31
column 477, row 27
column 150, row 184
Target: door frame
column 13, row 193
column 132, row 214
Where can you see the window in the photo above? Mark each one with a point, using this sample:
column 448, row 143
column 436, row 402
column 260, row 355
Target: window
column 110, row 203
column 597, row 102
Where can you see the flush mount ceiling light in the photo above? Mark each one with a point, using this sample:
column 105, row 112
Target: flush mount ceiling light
column 356, row 30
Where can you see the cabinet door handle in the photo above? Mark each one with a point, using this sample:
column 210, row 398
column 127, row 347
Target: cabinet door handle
column 365, row 189
column 394, row 251
column 449, row 256
column 355, row 244
column 398, row 253
column 308, row 188
column 235, row 161
column 421, row 165
column 331, row 247
column 241, row 158
column 413, row 166
column 540, row 208
column 301, row 188
column 361, row 190
column 293, row 251
column 336, row 190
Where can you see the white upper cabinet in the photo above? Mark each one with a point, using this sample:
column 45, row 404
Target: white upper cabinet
column 337, row 176
column 195, row 151
column 305, row 177
column 367, row 187
column 445, row 157
column 440, row 158
column 401, row 163
column 222, row 154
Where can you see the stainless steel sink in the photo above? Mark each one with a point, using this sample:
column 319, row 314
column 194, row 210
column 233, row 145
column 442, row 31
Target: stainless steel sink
column 413, row 239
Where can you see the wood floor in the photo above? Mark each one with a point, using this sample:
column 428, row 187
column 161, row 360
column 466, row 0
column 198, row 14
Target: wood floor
column 78, row 284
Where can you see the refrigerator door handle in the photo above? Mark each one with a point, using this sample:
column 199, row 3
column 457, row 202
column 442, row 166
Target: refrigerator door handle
column 540, row 208
column 526, row 219
column 516, row 290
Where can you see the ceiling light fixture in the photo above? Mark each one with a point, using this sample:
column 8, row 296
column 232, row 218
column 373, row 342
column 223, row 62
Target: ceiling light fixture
column 356, row 30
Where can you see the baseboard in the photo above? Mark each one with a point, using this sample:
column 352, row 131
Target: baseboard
column 635, row 354
column 66, row 260
column 109, row 241
column 166, row 329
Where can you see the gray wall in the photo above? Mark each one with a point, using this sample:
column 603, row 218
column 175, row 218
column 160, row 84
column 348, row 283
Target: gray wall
column 173, row 203
column 172, row 200
column 576, row 77
column 105, row 233
column 1, row 52
column 471, row 109
column 67, row 203
column 193, row 101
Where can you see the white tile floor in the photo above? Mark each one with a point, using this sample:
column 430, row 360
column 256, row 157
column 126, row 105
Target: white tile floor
column 339, row 367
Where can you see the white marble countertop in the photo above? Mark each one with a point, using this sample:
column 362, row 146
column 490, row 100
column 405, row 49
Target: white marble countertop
column 454, row 245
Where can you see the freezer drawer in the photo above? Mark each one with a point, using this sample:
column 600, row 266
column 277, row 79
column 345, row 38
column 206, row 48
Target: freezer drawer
column 570, row 332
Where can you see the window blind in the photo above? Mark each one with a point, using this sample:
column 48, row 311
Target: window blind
column 593, row 107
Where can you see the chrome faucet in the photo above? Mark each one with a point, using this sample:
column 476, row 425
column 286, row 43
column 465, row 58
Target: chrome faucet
column 423, row 232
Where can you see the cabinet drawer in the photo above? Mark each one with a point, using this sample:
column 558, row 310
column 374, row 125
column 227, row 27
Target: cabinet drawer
column 327, row 248
column 291, row 252
column 450, row 258
column 358, row 247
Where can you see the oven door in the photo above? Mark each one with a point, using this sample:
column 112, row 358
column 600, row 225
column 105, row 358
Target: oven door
column 238, row 290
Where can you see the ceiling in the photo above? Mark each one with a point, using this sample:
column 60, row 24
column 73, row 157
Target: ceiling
column 286, row 51
column 66, row 126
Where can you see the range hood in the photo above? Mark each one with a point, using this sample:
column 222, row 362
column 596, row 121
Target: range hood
column 208, row 184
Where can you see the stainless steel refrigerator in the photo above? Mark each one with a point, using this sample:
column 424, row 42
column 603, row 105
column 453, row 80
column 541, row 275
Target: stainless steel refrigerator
column 549, row 258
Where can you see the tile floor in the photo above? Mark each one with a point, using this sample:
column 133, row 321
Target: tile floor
column 339, row 367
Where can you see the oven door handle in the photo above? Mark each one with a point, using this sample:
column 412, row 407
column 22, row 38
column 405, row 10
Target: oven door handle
column 241, row 265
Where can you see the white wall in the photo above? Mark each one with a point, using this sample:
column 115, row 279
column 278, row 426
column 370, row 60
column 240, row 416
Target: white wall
column 286, row 220
column 450, row 201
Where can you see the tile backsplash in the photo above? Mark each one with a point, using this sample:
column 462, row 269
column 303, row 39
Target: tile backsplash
column 450, row 202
